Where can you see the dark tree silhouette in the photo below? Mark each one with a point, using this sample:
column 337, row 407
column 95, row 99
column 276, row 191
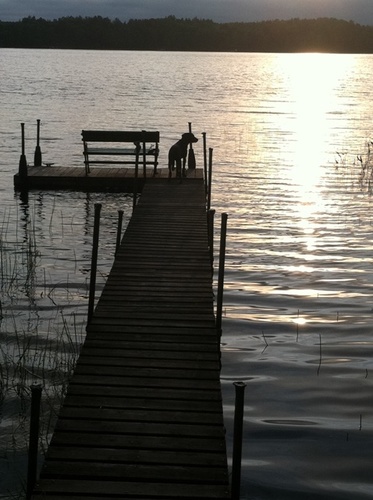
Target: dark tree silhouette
column 170, row 33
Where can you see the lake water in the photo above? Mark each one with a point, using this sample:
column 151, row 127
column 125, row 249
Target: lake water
column 286, row 132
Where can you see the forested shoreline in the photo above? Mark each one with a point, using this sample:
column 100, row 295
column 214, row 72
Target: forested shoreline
column 171, row 33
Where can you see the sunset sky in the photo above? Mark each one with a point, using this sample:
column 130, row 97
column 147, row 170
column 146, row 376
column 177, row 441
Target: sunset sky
column 360, row 11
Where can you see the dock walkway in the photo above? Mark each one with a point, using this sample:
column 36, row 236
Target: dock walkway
column 143, row 417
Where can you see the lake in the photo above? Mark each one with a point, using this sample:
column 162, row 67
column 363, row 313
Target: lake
column 291, row 166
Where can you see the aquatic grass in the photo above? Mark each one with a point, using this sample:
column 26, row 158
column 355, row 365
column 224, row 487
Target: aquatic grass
column 358, row 171
column 366, row 168
column 38, row 343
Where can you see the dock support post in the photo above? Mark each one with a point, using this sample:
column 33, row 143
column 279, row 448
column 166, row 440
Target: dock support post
column 209, row 180
column 237, row 440
column 135, row 182
column 219, row 301
column 191, row 156
column 210, row 232
column 37, row 155
column 92, row 285
column 205, row 162
column 22, row 171
column 119, row 230
column 34, row 439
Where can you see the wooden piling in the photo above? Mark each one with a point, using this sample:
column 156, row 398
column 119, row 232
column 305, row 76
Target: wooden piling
column 37, row 154
column 22, row 170
column 92, row 284
column 36, row 390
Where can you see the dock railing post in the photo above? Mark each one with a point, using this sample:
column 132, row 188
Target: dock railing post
column 22, row 170
column 37, row 154
column 209, row 180
column 144, row 154
column 237, row 440
column 34, row 439
column 210, row 232
column 92, row 284
column 205, row 162
column 219, row 300
column 136, row 180
column 119, row 230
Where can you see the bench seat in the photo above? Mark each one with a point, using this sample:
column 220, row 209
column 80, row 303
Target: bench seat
column 144, row 150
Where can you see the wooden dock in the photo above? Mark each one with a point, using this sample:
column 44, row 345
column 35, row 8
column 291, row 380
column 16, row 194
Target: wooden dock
column 143, row 417
column 110, row 179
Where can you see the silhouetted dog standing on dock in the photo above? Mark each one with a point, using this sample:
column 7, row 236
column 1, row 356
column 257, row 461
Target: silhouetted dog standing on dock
column 178, row 153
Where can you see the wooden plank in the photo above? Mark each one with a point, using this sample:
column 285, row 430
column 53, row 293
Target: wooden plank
column 129, row 428
column 149, row 362
column 88, row 389
column 81, row 469
column 183, row 444
column 110, row 489
column 143, row 416
column 158, row 404
column 144, row 354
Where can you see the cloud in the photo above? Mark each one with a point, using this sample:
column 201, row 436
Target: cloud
column 218, row 10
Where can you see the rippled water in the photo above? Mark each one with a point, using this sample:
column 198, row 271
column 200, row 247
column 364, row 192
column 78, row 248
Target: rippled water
column 286, row 131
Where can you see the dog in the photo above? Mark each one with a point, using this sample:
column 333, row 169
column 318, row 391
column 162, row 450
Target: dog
column 178, row 153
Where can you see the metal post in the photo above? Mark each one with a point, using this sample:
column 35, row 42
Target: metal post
column 119, row 229
column 37, row 155
column 22, row 171
column 205, row 161
column 34, row 439
column 237, row 440
column 219, row 300
column 210, row 230
column 209, row 180
column 92, row 285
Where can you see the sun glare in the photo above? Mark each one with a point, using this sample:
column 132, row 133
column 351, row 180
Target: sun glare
column 313, row 83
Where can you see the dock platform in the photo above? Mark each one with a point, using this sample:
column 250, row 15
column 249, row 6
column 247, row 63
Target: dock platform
column 114, row 179
column 143, row 417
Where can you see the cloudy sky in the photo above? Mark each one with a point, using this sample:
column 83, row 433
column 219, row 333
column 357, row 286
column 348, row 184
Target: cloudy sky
column 360, row 11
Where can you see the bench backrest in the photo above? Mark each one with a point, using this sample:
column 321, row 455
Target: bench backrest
column 119, row 136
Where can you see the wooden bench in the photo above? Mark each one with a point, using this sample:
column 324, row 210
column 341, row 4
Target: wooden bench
column 144, row 150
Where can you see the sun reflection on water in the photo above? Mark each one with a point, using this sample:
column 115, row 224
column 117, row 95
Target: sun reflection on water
column 314, row 83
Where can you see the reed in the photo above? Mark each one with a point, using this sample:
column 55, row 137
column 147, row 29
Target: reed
column 358, row 171
column 38, row 343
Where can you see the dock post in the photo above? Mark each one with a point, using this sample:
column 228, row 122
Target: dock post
column 37, row 155
column 205, row 162
column 191, row 156
column 119, row 230
column 34, row 439
column 237, row 440
column 209, row 180
column 92, row 285
column 135, row 181
column 210, row 231
column 219, row 300
column 22, row 171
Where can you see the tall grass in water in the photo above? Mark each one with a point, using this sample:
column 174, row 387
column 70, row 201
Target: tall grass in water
column 359, row 171
column 39, row 342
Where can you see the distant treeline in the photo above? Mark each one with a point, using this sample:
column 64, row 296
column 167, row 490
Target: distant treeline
column 170, row 33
